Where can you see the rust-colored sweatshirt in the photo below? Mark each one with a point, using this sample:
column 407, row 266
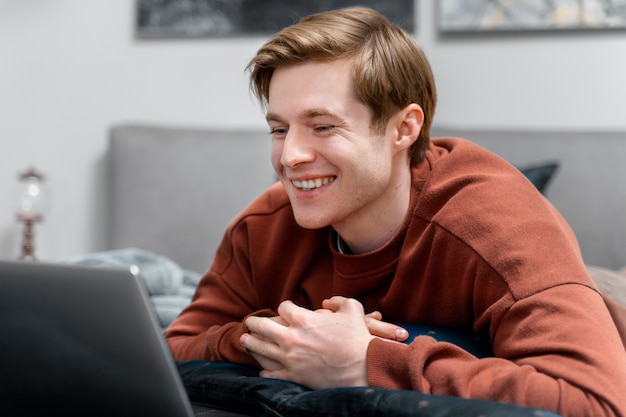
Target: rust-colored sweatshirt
column 481, row 249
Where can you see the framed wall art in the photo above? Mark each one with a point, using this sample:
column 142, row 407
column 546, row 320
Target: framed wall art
column 529, row 15
column 213, row 18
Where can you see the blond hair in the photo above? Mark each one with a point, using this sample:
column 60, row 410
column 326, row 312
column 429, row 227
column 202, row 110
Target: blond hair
column 389, row 70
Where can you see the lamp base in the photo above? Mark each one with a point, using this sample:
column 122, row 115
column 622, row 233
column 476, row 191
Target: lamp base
column 28, row 248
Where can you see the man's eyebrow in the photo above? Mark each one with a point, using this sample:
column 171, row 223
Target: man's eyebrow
column 272, row 117
column 307, row 114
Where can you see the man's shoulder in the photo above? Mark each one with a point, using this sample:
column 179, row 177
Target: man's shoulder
column 461, row 174
column 477, row 195
column 461, row 148
column 487, row 205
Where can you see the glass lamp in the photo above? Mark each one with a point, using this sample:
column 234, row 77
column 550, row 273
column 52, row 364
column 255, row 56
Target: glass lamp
column 31, row 206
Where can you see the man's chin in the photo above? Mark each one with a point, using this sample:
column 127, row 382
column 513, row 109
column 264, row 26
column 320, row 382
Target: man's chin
column 307, row 222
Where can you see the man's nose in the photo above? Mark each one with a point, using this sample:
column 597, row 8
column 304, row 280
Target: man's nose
column 297, row 149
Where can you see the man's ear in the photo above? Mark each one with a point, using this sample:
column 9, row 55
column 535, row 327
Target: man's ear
column 409, row 123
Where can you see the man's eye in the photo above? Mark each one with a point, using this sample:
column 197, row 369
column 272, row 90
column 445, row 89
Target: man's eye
column 324, row 128
column 278, row 131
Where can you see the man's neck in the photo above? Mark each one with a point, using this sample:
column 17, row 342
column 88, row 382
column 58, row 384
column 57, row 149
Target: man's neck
column 375, row 229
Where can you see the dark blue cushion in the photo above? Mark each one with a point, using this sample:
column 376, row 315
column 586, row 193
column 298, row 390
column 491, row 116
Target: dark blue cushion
column 464, row 338
column 540, row 174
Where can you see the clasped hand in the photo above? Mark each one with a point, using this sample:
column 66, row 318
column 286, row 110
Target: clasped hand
column 319, row 349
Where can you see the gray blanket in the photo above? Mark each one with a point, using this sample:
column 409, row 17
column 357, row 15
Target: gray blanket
column 170, row 287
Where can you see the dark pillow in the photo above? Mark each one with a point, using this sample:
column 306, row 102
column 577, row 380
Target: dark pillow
column 541, row 174
column 239, row 389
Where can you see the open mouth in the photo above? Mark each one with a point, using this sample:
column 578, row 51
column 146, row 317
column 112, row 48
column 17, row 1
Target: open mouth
column 307, row 185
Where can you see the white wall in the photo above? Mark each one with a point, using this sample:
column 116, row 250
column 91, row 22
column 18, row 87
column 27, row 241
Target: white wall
column 69, row 69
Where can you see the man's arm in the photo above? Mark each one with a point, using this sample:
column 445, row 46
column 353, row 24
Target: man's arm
column 540, row 363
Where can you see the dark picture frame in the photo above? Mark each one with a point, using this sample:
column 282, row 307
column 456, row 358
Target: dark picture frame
column 218, row 18
column 467, row 16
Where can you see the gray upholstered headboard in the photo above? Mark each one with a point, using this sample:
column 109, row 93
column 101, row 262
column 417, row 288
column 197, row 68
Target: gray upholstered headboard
column 174, row 190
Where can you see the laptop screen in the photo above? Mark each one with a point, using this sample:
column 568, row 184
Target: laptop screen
column 83, row 339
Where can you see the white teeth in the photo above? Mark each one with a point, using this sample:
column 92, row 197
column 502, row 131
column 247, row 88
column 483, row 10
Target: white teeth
column 307, row 185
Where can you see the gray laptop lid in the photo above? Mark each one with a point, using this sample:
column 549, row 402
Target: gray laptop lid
column 82, row 340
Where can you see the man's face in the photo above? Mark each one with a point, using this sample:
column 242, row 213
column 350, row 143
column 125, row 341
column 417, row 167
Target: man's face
column 334, row 169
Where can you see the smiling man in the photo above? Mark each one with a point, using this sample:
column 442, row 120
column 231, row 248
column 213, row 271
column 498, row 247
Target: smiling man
column 331, row 175
column 374, row 225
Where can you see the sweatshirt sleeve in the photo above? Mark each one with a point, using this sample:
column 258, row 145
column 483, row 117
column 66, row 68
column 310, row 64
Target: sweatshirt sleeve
column 190, row 338
column 245, row 278
column 210, row 327
column 536, row 366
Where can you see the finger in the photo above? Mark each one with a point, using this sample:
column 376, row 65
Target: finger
column 259, row 347
column 386, row 330
column 322, row 310
column 279, row 320
column 276, row 374
column 266, row 363
column 376, row 315
column 333, row 303
column 338, row 303
column 292, row 313
column 266, row 327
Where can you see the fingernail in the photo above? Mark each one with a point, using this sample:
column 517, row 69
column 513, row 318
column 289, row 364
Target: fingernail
column 401, row 334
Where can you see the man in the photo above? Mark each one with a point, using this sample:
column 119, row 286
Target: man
column 373, row 225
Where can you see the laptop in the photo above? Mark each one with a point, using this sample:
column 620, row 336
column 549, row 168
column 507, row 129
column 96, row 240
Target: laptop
column 83, row 340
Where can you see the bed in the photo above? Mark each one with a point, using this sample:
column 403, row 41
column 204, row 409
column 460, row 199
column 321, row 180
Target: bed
column 173, row 190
